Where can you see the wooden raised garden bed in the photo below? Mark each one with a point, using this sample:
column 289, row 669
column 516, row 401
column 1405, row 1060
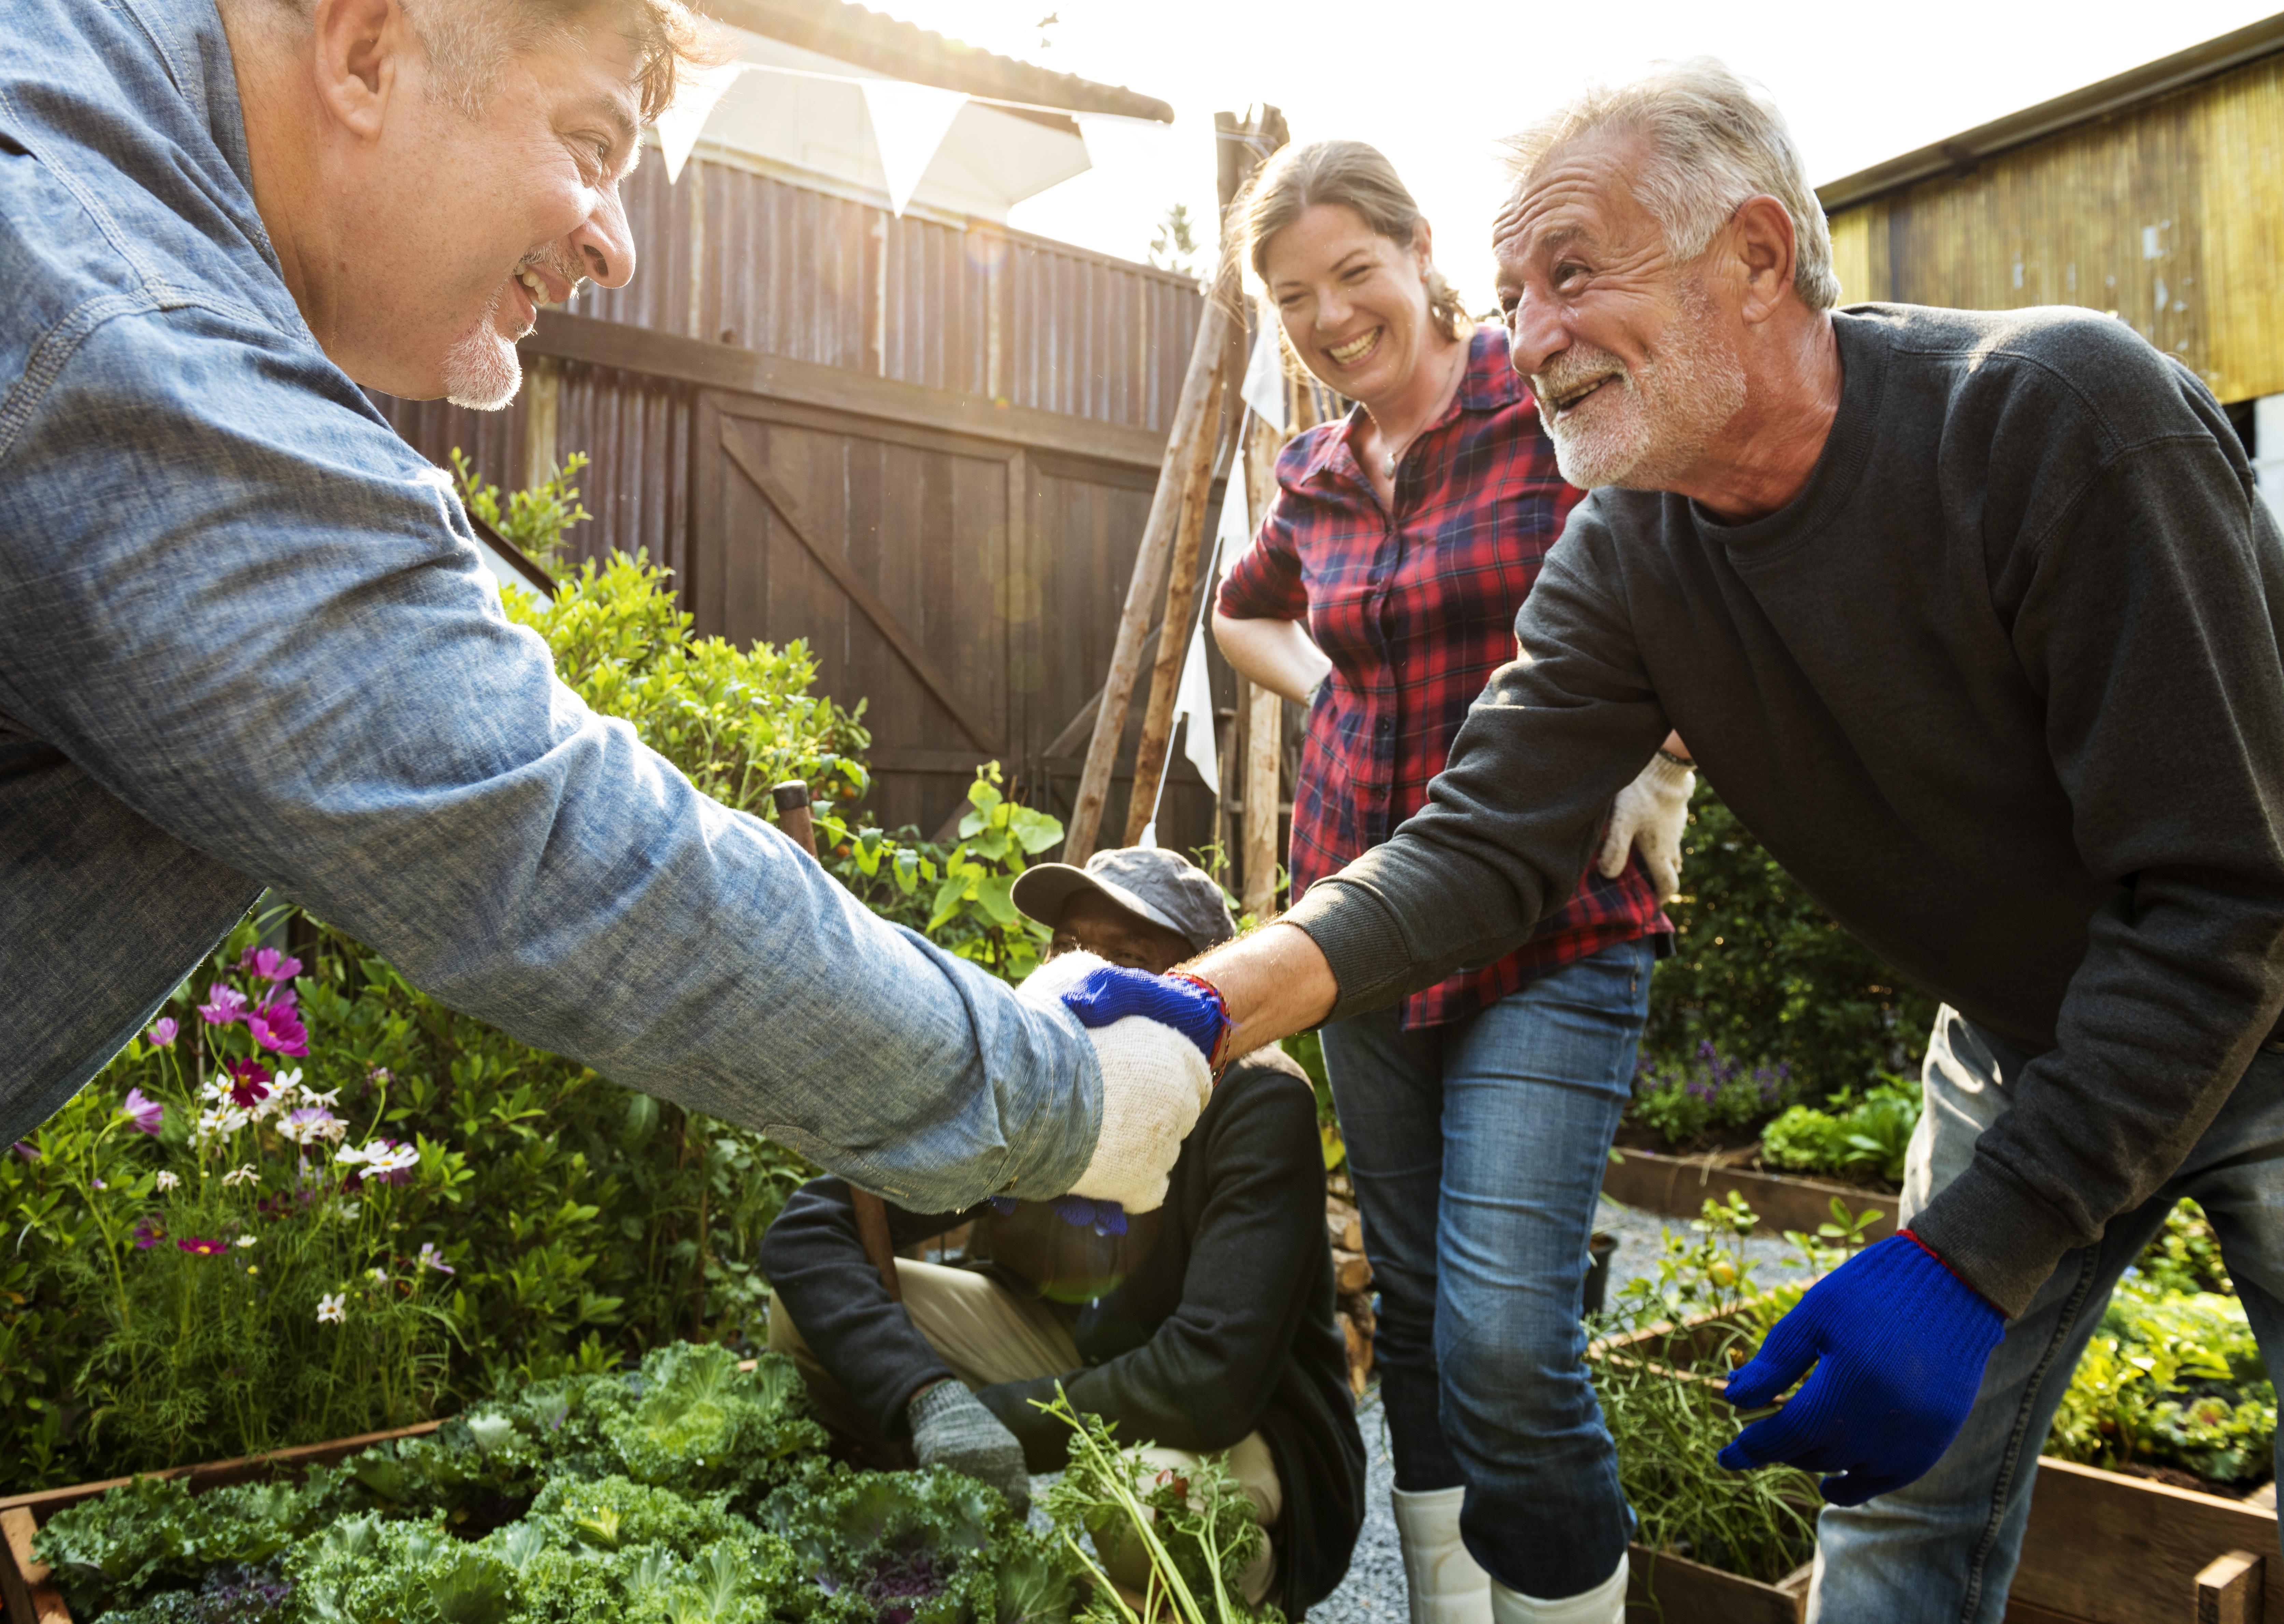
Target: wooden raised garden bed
column 2102, row 1548
column 24, row 1584
column 1679, row 1186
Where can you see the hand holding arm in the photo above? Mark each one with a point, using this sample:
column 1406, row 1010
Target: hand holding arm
column 1649, row 815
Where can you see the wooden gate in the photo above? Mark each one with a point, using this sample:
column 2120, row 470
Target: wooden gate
column 966, row 587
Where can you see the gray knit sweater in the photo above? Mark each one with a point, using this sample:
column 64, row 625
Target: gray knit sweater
column 2001, row 687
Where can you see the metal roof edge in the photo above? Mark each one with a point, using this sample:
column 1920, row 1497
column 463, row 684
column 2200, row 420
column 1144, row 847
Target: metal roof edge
column 1961, row 153
column 872, row 39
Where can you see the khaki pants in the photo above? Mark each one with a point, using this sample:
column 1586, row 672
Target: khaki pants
column 988, row 1334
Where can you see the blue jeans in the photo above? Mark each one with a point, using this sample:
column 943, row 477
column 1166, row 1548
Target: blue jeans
column 1943, row 1550
column 1477, row 1150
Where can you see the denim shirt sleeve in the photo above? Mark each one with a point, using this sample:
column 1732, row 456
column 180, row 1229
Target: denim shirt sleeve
column 248, row 628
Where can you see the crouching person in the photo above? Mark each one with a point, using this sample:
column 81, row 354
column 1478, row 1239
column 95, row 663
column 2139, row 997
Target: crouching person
column 1205, row 1326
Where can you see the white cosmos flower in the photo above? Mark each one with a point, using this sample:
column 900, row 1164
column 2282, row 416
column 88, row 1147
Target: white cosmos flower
column 167, row 1181
column 379, row 1275
column 241, row 1176
column 329, row 1310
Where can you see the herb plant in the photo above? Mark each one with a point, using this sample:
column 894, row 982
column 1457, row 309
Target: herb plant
column 1684, row 1101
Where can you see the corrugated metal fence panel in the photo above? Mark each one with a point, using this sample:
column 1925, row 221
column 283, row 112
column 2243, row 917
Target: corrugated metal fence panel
column 2170, row 215
column 790, row 272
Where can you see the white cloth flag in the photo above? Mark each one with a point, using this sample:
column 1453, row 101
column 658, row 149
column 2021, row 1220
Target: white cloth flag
column 1264, row 389
column 909, row 123
column 1194, row 694
column 700, row 92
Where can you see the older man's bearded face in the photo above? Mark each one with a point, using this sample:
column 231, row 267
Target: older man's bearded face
column 429, row 237
column 1631, row 356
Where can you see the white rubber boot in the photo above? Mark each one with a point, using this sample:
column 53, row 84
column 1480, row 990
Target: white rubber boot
column 1605, row 1604
column 1445, row 1584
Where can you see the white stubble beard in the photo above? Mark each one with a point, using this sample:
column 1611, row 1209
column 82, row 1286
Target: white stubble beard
column 482, row 370
column 1646, row 430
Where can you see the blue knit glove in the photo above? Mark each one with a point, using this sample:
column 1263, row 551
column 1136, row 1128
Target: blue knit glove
column 1898, row 1342
column 1103, row 1217
column 1182, row 1001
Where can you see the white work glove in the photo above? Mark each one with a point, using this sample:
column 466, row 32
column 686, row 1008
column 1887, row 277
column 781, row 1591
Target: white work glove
column 1648, row 817
column 1155, row 1083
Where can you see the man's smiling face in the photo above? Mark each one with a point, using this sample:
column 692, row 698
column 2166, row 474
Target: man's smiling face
column 471, row 222
column 1629, row 355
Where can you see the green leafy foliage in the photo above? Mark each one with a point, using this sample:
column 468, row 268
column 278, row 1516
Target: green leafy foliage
column 737, row 721
column 2173, row 1377
column 533, row 519
column 1701, row 1315
column 1759, row 968
column 372, row 1540
column 703, row 1424
column 1864, row 1137
column 154, row 1533
column 1684, row 1101
column 1197, row 1530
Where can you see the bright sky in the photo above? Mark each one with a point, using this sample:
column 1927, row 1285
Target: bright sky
column 1435, row 85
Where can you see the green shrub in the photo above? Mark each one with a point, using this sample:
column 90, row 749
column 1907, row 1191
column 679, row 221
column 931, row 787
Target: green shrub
column 1685, row 1101
column 1760, row 969
column 1865, row 1138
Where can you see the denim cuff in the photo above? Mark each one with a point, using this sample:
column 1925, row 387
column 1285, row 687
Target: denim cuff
column 1995, row 1234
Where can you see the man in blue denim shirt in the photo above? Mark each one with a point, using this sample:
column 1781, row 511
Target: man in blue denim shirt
column 245, row 640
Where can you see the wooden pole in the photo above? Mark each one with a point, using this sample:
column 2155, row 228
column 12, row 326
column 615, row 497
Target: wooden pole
column 1196, row 415
column 1264, row 752
column 1189, row 414
column 1150, row 754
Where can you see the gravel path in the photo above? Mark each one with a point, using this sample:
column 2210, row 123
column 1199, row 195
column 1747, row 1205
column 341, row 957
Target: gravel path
column 1373, row 1591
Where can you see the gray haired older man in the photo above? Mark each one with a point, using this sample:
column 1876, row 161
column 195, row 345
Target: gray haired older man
column 1974, row 619
column 245, row 639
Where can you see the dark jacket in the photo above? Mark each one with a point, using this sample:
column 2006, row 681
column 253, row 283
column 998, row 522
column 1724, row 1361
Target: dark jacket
column 1224, row 1327
column 2003, row 687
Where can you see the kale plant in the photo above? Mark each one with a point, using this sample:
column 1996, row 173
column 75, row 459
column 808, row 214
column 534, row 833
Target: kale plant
column 154, row 1535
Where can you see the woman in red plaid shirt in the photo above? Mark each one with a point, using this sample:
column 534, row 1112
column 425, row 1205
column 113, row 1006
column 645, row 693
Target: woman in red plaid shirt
column 1479, row 1114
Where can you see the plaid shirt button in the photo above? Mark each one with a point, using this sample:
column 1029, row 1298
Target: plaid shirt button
column 1415, row 615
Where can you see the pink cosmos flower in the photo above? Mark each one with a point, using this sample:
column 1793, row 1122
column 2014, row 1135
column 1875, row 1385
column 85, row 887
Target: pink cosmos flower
column 148, row 1234
column 277, row 1027
column 223, row 1005
column 162, row 1031
column 270, row 964
column 284, row 995
column 197, row 1247
column 28, row 1152
column 145, row 1114
column 253, row 1084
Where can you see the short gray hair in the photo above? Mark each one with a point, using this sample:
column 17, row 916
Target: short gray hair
column 1715, row 139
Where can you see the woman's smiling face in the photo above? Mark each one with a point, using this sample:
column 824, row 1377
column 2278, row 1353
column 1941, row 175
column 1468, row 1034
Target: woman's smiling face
column 1354, row 304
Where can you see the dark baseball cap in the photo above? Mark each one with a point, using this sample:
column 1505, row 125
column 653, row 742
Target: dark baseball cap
column 1164, row 887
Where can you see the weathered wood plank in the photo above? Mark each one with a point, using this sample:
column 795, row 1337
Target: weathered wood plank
column 1663, row 1588
column 789, row 510
column 724, row 366
column 2113, row 1550
column 1679, row 1187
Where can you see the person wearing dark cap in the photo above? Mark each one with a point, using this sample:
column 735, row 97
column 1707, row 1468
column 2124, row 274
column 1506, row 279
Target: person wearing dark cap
column 1205, row 1327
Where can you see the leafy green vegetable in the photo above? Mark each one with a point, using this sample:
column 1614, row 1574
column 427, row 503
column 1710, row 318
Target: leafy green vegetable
column 1863, row 1138
column 703, row 1424
column 1197, row 1531
column 154, row 1533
